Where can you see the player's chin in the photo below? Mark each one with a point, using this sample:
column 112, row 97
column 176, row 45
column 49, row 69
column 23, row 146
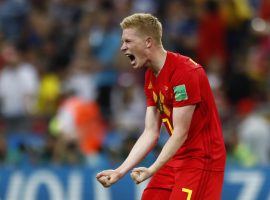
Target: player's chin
column 136, row 65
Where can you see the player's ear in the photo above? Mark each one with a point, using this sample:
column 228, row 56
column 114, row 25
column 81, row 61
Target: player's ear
column 148, row 42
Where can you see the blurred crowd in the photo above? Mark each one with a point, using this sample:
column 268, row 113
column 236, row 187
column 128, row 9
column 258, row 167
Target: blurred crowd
column 68, row 95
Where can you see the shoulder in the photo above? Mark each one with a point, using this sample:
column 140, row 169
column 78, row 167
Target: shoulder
column 181, row 62
column 26, row 69
column 184, row 69
column 182, row 65
column 188, row 62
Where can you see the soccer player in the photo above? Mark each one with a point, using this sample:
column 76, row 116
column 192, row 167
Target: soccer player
column 191, row 164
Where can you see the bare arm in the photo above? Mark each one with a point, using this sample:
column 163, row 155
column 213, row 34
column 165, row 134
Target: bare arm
column 146, row 141
column 181, row 120
column 142, row 147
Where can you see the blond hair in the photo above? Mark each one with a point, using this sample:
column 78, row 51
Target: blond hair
column 145, row 23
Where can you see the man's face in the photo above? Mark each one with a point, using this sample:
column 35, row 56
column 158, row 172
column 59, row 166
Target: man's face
column 134, row 47
column 10, row 55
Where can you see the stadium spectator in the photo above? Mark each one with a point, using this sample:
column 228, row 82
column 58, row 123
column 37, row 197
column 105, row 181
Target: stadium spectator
column 19, row 83
column 79, row 123
column 212, row 34
column 127, row 105
column 13, row 18
column 180, row 27
column 253, row 131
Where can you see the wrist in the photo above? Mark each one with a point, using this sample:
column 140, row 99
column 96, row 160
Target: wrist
column 152, row 169
column 120, row 171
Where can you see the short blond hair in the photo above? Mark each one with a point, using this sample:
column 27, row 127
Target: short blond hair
column 145, row 23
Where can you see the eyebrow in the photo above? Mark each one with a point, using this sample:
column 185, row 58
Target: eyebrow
column 126, row 39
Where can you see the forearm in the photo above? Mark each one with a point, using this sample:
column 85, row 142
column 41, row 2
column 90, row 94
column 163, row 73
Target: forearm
column 168, row 151
column 141, row 148
column 181, row 119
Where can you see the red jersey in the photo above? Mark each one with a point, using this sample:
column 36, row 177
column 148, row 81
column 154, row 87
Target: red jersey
column 183, row 82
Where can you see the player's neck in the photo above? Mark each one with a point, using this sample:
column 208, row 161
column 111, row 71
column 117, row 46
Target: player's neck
column 157, row 60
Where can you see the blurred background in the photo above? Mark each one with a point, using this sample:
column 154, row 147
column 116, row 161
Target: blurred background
column 71, row 105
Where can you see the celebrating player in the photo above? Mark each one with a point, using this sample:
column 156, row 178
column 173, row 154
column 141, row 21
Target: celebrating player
column 191, row 163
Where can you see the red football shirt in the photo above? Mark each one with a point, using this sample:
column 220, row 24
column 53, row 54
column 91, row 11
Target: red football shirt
column 183, row 82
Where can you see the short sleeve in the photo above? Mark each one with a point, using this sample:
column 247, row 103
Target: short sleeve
column 186, row 88
column 148, row 89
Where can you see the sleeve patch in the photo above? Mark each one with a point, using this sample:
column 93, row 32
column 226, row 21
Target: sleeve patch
column 180, row 93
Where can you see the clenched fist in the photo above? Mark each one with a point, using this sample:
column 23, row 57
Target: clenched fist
column 140, row 174
column 108, row 177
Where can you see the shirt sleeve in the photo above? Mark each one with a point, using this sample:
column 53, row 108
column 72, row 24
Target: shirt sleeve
column 186, row 88
column 148, row 89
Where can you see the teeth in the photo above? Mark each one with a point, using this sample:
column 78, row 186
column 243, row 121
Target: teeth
column 131, row 57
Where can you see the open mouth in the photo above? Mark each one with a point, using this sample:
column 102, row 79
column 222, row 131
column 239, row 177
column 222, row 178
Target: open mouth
column 132, row 58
